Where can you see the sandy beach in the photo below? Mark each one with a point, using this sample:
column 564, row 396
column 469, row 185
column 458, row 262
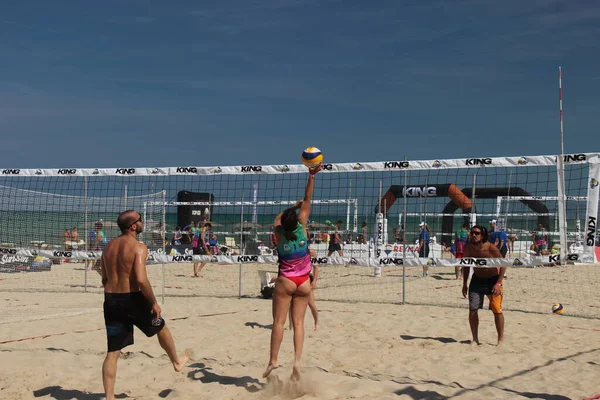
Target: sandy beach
column 527, row 289
column 53, row 344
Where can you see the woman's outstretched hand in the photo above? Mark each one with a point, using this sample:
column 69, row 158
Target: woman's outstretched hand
column 316, row 169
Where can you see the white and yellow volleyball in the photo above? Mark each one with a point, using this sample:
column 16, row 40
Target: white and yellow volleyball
column 312, row 157
column 557, row 308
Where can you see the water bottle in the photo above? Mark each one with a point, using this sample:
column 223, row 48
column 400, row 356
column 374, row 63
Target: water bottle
column 377, row 271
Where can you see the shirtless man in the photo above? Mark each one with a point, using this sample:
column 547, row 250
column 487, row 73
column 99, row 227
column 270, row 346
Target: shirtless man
column 485, row 281
column 129, row 300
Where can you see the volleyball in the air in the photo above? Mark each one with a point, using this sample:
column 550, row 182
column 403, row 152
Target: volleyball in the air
column 312, row 157
column 557, row 308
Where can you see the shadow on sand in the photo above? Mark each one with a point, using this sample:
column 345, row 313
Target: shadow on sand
column 252, row 385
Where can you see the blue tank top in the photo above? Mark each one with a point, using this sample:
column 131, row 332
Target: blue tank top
column 461, row 235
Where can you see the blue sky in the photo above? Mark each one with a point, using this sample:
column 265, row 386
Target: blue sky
column 154, row 83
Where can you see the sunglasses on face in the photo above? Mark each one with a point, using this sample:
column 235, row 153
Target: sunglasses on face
column 476, row 233
column 136, row 221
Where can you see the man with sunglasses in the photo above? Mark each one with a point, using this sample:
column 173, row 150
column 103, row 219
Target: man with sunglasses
column 485, row 282
column 129, row 299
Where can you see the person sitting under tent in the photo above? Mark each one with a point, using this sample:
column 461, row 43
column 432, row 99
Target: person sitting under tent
column 213, row 243
column 67, row 238
column 75, row 234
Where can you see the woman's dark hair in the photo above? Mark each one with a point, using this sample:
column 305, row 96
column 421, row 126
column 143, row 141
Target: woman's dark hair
column 485, row 236
column 289, row 223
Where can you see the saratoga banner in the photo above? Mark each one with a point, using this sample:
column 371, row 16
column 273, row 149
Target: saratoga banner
column 16, row 254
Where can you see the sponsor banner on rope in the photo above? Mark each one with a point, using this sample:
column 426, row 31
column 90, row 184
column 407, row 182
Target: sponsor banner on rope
column 473, row 162
column 492, row 262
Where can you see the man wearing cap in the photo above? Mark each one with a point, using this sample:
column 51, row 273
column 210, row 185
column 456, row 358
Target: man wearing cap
column 424, row 245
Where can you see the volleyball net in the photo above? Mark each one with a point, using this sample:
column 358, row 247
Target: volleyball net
column 55, row 222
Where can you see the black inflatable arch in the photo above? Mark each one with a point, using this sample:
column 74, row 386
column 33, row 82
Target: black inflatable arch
column 492, row 193
column 396, row 191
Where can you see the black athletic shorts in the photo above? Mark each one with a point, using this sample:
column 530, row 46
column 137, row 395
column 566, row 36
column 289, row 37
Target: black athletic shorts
column 334, row 247
column 503, row 250
column 124, row 310
column 198, row 251
column 424, row 251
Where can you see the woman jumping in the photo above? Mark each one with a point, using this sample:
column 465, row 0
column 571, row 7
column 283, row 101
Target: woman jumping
column 293, row 285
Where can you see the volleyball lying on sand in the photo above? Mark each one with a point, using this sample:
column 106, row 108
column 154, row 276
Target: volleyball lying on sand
column 557, row 308
column 312, row 157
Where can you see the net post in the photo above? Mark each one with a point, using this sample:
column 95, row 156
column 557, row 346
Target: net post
column 473, row 211
column 240, row 281
column 164, row 221
column 145, row 213
column 562, row 214
column 404, row 211
column 348, row 216
column 562, row 217
column 424, row 196
column 85, row 222
column 162, row 266
column 507, row 204
column 378, row 234
column 355, row 201
column 242, row 247
column 254, row 208
column 164, row 233
column 498, row 206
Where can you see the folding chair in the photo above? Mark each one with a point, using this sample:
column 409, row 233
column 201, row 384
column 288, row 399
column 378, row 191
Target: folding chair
column 230, row 245
column 266, row 287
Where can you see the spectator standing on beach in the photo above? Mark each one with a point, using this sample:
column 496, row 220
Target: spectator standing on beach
column 97, row 237
column 97, row 241
column 177, row 236
column 424, row 239
column 202, row 248
column 335, row 240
